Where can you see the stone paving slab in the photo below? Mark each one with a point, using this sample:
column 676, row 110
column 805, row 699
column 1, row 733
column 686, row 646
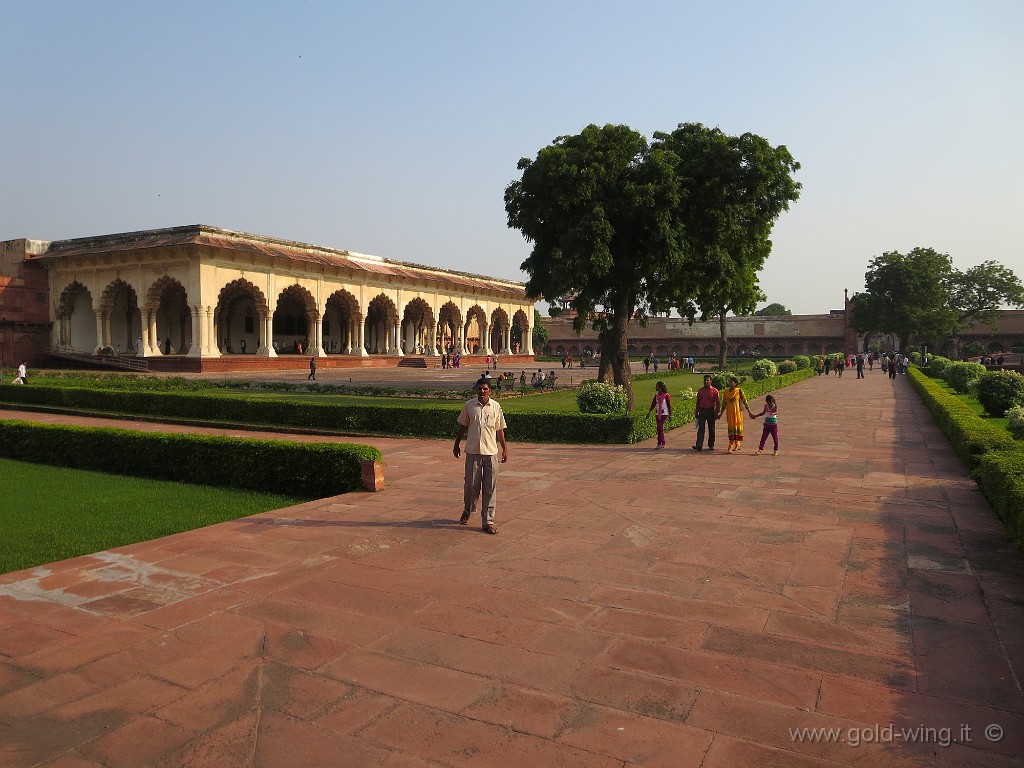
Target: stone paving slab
column 638, row 608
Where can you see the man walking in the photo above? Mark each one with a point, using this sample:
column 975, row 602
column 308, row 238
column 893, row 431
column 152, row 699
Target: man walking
column 482, row 423
column 312, row 369
column 708, row 403
column 860, row 366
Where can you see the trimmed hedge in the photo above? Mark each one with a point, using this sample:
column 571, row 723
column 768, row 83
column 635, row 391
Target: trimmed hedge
column 970, row 436
column 309, row 470
column 993, row 456
column 1001, row 477
column 436, row 421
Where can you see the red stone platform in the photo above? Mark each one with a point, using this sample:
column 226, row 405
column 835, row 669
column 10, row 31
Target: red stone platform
column 638, row 608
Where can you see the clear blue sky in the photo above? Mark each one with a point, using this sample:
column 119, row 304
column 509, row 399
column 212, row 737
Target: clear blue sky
column 393, row 128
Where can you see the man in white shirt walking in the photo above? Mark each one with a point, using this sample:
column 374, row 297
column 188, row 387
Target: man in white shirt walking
column 482, row 423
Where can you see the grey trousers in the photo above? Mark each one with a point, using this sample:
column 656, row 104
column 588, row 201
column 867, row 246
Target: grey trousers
column 481, row 475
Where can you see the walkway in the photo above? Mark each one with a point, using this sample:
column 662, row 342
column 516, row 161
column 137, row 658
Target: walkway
column 638, row 607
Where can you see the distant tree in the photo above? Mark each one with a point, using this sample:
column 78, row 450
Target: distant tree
column 978, row 294
column 920, row 294
column 773, row 310
column 597, row 208
column 731, row 191
column 540, row 332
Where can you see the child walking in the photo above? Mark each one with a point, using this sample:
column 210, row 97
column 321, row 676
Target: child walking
column 771, row 423
column 661, row 404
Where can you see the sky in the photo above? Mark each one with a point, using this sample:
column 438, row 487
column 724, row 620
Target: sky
column 392, row 128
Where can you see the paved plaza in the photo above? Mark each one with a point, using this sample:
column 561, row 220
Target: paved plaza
column 851, row 602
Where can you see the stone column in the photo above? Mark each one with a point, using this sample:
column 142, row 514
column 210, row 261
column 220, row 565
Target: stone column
column 506, row 339
column 361, row 338
column 527, row 346
column 196, row 348
column 396, row 330
column 154, row 340
column 266, row 348
column 318, row 337
column 100, row 323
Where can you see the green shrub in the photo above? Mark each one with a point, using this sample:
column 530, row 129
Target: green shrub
column 310, row 470
column 970, row 435
column 1015, row 421
column 960, row 376
column 763, row 369
column 802, row 361
column 721, row 379
column 915, row 357
column 788, row 366
column 1001, row 477
column 938, row 364
column 998, row 391
column 598, row 397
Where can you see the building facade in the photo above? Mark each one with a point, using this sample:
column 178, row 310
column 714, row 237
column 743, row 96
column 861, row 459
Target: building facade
column 206, row 293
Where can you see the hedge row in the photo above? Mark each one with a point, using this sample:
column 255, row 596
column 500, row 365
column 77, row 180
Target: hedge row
column 970, row 435
column 309, row 470
column 1001, row 477
column 386, row 418
column 994, row 458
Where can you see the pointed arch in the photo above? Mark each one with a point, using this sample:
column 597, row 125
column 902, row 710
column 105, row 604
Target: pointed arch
column 500, row 331
column 418, row 325
column 76, row 319
column 121, row 317
column 476, row 331
column 381, row 326
column 449, row 328
column 169, row 320
column 240, row 317
column 341, row 323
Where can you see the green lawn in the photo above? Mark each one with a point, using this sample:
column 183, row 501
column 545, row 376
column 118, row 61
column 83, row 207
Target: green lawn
column 973, row 404
column 50, row 513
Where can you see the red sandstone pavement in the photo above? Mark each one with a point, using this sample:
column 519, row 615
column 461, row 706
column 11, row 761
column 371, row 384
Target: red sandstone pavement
column 638, row 607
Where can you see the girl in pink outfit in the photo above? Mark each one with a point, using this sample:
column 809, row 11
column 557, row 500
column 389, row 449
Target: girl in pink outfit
column 661, row 405
column 771, row 423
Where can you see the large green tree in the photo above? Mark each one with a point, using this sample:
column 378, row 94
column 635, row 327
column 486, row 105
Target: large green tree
column 597, row 208
column 921, row 295
column 906, row 295
column 978, row 294
column 732, row 189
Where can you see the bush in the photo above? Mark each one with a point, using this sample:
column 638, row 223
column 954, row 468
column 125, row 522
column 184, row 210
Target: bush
column 308, row 470
column 1001, row 477
column 998, row 391
column 788, row 366
column 938, row 365
column 915, row 358
column 721, row 379
column 598, row 397
column 970, row 435
column 960, row 376
column 802, row 361
column 763, row 369
column 1015, row 417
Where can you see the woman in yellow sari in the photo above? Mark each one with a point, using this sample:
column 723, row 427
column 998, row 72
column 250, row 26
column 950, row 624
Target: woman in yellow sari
column 734, row 402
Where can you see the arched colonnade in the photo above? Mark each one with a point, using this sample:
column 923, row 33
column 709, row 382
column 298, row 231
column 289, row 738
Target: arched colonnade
column 159, row 318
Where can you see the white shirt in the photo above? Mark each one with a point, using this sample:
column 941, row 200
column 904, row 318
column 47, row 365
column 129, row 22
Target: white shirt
column 22, row 371
column 482, row 423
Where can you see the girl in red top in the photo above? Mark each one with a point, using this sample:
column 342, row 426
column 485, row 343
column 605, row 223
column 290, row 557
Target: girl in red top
column 661, row 405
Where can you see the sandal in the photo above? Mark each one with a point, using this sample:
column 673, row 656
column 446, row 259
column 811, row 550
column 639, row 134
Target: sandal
column 489, row 529
column 464, row 519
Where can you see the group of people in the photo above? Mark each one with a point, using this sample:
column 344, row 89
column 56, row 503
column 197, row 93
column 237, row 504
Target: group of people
column 711, row 405
column 449, row 360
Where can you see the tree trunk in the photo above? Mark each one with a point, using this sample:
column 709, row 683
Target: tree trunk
column 723, row 341
column 614, row 351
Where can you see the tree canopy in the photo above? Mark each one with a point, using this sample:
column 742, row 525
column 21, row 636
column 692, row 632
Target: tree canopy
column 773, row 310
column 921, row 295
column 733, row 189
column 629, row 228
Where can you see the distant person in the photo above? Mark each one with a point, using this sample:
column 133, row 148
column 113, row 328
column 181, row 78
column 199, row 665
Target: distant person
column 22, row 373
column 312, row 369
column 482, row 423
